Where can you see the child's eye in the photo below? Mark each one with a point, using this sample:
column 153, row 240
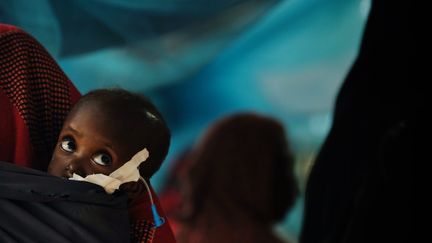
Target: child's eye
column 102, row 159
column 68, row 144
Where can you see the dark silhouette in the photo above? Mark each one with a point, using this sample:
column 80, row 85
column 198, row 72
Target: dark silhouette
column 359, row 187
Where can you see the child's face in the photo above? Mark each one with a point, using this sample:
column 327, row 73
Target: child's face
column 90, row 143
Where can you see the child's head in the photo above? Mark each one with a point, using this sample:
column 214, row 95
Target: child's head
column 104, row 130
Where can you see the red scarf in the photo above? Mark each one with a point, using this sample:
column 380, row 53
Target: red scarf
column 35, row 97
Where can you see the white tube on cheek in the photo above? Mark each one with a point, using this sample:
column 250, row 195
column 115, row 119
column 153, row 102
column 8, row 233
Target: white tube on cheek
column 126, row 173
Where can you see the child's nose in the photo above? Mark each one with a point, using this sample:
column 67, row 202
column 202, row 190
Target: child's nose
column 78, row 166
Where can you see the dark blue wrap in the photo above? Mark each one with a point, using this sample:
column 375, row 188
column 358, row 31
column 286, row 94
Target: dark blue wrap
column 38, row 207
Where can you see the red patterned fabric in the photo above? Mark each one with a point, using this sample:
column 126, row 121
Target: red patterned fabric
column 35, row 97
column 140, row 210
column 142, row 231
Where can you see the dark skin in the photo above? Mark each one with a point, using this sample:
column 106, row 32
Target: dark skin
column 91, row 142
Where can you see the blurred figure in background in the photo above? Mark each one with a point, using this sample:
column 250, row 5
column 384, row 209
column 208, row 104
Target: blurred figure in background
column 237, row 183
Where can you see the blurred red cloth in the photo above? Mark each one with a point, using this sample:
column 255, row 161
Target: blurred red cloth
column 35, row 98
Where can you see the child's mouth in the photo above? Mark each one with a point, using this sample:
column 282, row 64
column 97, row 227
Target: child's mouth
column 66, row 175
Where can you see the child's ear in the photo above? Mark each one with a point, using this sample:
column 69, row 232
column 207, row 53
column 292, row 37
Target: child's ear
column 133, row 189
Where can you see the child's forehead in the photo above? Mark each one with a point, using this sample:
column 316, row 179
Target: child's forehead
column 118, row 107
column 107, row 120
column 117, row 131
column 110, row 110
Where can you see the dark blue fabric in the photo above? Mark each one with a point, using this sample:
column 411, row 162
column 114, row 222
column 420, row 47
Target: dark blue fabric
column 37, row 207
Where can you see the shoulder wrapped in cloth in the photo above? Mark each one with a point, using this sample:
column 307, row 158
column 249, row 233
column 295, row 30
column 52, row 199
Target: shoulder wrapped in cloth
column 37, row 207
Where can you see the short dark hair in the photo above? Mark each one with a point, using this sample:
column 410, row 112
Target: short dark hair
column 147, row 116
